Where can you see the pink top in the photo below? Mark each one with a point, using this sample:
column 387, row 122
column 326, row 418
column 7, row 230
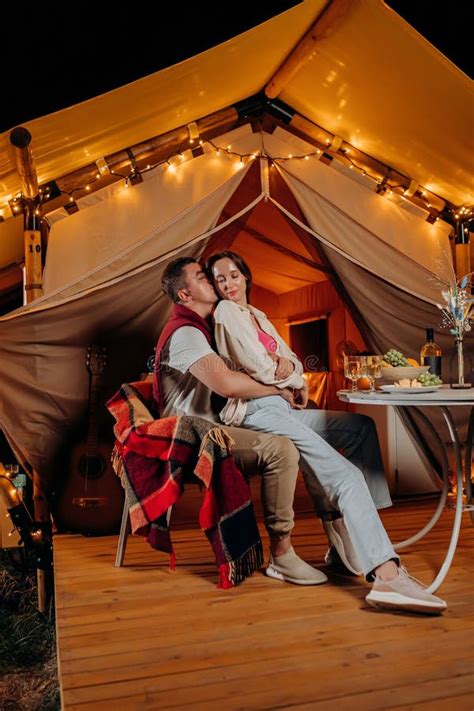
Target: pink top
column 267, row 341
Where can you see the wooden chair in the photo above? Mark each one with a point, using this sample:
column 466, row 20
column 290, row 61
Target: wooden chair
column 125, row 531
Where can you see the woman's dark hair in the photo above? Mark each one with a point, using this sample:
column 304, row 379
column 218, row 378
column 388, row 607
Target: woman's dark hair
column 238, row 261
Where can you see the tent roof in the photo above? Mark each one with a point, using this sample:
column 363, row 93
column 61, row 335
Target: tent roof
column 373, row 80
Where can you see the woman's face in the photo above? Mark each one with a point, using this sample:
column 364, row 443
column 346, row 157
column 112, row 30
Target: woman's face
column 229, row 281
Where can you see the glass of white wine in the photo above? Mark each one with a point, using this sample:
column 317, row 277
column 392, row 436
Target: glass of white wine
column 374, row 369
column 355, row 367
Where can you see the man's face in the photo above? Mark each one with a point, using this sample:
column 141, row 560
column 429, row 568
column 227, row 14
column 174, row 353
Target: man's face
column 197, row 288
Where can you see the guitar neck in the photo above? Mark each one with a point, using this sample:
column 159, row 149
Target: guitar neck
column 92, row 438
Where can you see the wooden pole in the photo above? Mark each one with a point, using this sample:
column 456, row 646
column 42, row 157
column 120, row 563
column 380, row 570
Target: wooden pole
column 20, row 139
column 43, row 558
column 331, row 16
column 33, row 253
column 319, row 137
column 153, row 150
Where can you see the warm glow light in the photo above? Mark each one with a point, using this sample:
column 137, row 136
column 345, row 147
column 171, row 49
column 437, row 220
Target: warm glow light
column 71, row 199
column 88, row 187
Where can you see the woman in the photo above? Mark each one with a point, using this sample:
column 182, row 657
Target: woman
column 246, row 338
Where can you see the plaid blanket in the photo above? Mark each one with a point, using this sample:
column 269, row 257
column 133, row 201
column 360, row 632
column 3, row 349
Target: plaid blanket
column 153, row 459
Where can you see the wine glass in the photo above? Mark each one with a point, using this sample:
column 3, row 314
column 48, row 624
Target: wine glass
column 355, row 367
column 374, row 369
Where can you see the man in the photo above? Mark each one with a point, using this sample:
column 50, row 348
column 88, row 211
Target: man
column 187, row 372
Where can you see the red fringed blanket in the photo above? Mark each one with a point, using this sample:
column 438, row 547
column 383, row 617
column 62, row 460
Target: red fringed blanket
column 153, row 458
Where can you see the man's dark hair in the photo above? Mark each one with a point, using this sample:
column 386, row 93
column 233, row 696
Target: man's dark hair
column 239, row 262
column 172, row 280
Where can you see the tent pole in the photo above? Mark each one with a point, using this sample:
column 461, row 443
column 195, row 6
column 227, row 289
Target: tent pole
column 334, row 12
column 153, row 150
column 20, row 139
column 311, row 132
column 44, row 545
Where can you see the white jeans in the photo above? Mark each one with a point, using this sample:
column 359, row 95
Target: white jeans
column 323, row 467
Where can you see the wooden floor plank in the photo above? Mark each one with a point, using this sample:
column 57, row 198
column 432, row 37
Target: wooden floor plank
column 141, row 637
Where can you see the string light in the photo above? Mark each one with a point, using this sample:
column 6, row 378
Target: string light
column 175, row 159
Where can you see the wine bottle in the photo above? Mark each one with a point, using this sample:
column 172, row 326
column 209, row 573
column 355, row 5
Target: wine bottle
column 430, row 354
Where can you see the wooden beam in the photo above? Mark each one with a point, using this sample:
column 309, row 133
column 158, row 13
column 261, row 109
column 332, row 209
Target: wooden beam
column 153, row 150
column 287, row 252
column 332, row 15
column 20, row 141
column 317, row 136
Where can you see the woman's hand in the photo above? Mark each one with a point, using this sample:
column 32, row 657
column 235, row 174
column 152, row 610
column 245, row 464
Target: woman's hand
column 301, row 397
column 288, row 395
column 284, row 368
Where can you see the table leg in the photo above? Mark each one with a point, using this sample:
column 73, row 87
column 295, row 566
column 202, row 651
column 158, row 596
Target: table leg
column 444, row 492
column 459, row 507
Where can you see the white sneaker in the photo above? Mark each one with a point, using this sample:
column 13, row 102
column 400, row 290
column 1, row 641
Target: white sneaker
column 292, row 569
column 338, row 535
column 404, row 593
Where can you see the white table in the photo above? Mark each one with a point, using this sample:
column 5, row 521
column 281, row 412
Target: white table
column 444, row 398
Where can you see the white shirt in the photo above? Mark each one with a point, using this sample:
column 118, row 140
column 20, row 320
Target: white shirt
column 183, row 394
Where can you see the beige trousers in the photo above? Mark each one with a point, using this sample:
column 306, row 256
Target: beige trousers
column 276, row 459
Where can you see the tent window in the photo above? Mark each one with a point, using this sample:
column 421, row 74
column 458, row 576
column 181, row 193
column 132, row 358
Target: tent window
column 309, row 340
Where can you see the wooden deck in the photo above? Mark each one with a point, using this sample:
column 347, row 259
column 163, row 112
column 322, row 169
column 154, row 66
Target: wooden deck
column 141, row 637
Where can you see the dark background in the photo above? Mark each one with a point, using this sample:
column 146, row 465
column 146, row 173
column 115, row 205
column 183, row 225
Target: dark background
column 55, row 55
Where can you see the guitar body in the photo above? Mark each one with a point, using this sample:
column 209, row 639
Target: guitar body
column 91, row 500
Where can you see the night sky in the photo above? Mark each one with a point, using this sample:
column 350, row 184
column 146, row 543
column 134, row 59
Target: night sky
column 55, row 55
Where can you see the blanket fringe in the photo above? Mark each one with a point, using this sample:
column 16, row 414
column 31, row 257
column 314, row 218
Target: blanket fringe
column 220, row 437
column 235, row 572
column 117, row 463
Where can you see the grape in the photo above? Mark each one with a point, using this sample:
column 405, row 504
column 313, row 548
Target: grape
column 427, row 379
column 395, row 358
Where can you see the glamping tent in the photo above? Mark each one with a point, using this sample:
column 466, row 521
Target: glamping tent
column 326, row 146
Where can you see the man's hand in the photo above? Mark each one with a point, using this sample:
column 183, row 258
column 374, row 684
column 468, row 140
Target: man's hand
column 301, row 397
column 287, row 394
column 284, row 368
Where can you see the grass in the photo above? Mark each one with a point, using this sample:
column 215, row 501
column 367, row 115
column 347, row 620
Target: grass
column 28, row 671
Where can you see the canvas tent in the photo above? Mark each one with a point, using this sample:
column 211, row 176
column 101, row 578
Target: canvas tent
column 320, row 238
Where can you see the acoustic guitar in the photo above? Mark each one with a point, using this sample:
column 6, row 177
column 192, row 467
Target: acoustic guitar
column 91, row 500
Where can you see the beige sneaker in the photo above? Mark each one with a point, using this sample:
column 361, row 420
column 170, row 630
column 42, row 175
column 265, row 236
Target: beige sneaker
column 292, row 569
column 404, row 593
column 339, row 537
